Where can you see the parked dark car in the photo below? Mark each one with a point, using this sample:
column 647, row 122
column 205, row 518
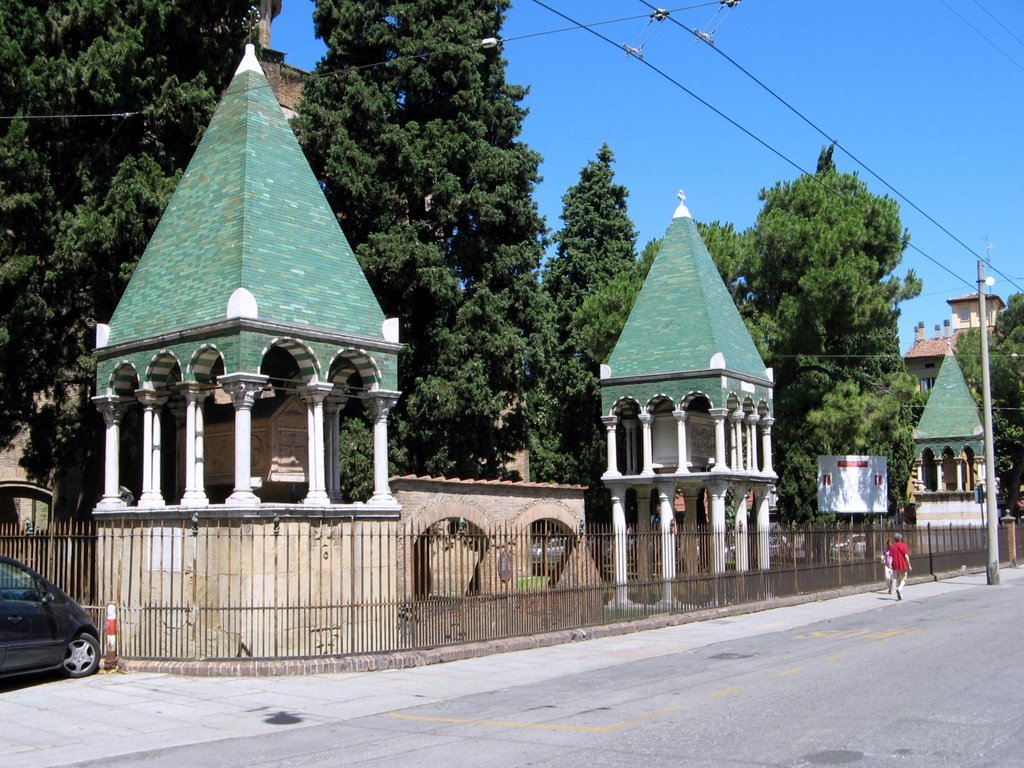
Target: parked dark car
column 41, row 628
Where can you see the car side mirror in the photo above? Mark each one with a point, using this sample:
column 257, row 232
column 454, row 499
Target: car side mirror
column 47, row 598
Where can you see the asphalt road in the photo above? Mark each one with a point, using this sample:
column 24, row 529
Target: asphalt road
column 933, row 680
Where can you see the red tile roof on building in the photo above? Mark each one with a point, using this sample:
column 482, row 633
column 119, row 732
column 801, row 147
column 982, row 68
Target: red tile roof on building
column 932, row 347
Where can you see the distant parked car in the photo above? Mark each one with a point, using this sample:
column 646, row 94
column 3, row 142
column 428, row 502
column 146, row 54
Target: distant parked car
column 853, row 546
column 41, row 628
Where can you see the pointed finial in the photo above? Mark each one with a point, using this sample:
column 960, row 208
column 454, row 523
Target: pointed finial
column 682, row 211
column 249, row 62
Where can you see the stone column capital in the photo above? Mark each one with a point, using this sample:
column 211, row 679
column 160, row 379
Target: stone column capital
column 316, row 392
column 736, row 416
column 242, row 388
column 766, row 423
column 334, row 403
column 150, row 397
column 752, row 419
column 381, row 401
column 193, row 391
column 111, row 407
column 610, row 422
column 719, row 413
column 645, row 418
column 680, row 414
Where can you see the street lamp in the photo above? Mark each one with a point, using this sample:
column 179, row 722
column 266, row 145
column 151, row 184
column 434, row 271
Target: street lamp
column 990, row 454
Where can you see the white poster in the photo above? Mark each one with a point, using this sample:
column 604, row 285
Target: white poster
column 853, row 485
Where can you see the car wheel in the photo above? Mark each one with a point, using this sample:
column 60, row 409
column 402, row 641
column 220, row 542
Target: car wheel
column 82, row 656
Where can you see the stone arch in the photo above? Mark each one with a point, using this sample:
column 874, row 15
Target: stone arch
column 695, row 400
column 763, row 410
column 625, row 403
column 124, row 380
column 348, row 361
column 164, row 369
column 546, row 509
column 449, row 507
column 304, row 357
column 204, row 362
column 445, row 559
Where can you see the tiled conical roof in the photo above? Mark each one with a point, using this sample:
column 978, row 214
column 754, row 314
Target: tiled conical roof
column 247, row 214
column 952, row 412
column 684, row 319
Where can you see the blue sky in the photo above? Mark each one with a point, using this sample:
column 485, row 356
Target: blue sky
column 928, row 94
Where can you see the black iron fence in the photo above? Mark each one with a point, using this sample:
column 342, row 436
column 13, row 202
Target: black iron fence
column 264, row 589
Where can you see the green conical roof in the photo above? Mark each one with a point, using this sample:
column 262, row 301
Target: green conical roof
column 247, row 214
column 684, row 319
column 951, row 411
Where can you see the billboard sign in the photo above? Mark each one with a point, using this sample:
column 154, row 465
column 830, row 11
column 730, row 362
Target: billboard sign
column 853, row 485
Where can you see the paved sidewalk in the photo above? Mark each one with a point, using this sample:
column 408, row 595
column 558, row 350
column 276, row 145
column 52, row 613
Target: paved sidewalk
column 67, row 721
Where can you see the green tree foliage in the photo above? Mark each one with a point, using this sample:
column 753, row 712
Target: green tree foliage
column 814, row 282
column 595, row 247
column 80, row 196
column 1006, row 377
column 413, row 135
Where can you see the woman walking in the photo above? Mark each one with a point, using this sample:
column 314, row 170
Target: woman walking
column 900, row 563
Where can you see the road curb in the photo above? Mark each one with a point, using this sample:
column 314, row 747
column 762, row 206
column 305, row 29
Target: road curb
column 420, row 658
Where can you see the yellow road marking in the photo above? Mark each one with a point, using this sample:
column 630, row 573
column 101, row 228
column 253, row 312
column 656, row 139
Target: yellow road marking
column 535, row 726
column 727, row 692
column 837, row 656
column 787, row 673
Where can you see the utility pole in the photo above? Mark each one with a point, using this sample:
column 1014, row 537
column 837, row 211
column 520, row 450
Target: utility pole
column 990, row 453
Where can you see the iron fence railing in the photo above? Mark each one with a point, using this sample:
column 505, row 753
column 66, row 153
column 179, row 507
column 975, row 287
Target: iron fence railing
column 258, row 588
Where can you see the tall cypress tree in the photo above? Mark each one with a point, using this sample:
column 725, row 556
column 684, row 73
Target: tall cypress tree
column 596, row 246
column 413, row 131
column 80, row 195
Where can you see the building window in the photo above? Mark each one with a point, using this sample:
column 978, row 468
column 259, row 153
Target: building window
column 927, row 383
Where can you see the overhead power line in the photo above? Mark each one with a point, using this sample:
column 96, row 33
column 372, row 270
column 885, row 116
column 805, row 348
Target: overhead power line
column 832, row 140
column 732, row 122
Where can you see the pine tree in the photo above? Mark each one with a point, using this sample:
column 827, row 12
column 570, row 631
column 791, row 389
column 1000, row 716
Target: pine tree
column 814, row 282
column 413, row 132
column 596, row 247
column 79, row 196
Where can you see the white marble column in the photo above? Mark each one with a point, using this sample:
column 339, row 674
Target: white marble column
column 630, row 425
column 243, row 388
column 751, row 421
column 762, row 497
column 313, row 395
column 112, row 408
column 619, row 530
column 611, row 449
column 333, row 406
column 381, row 402
column 717, row 490
column 151, row 447
column 691, row 554
column 648, row 444
column 766, row 444
column 666, row 511
column 682, row 446
column 736, row 431
column 742, row 540
column 719, row 415
column 195, row 492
